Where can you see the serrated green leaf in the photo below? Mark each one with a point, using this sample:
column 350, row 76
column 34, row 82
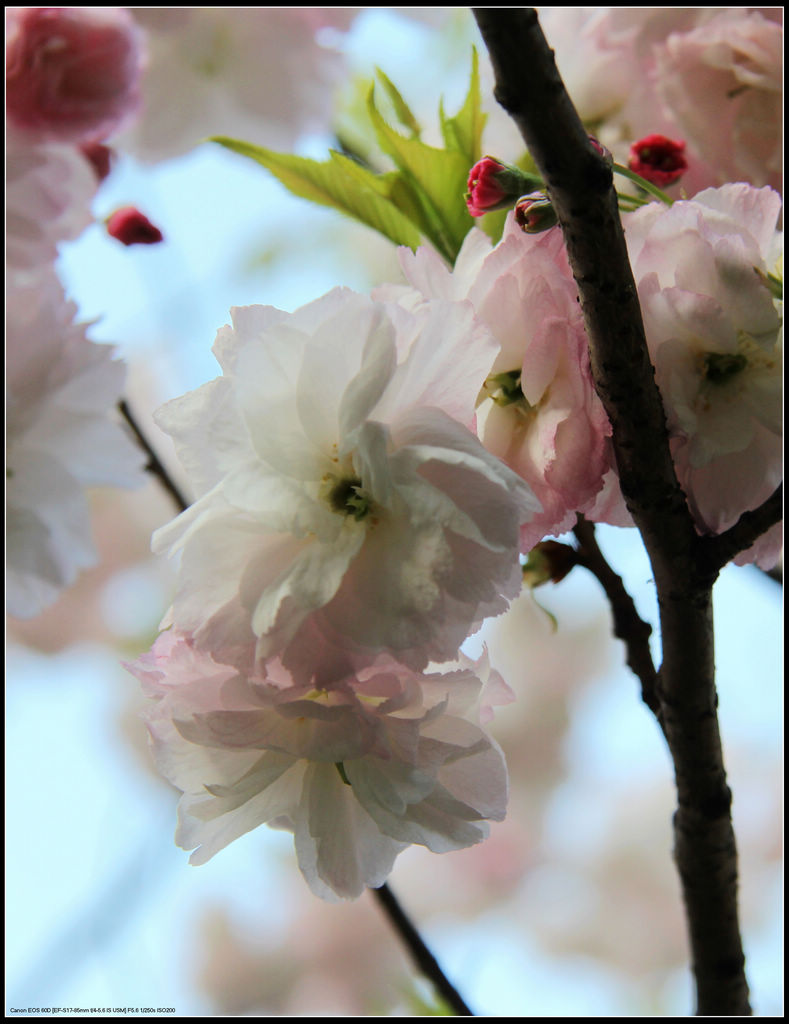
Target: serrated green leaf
column 437, row 178
column 402, row 111
column 463, row 132
column 339, row 183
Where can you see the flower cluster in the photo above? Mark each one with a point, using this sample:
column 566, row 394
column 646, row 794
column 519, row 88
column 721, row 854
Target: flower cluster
column 710, row 76
column 348, row 530
column 72, row 79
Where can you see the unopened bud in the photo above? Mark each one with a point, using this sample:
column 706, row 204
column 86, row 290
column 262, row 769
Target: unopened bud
column 535, row 213
column 100, row 158
column 493, row 185
column 548, row 562
column 131, row 227
column 659, row 160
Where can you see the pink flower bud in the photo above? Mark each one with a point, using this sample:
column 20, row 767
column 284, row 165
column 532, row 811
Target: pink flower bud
column 72, row 73
column 493, row 185
column 535, row 213
column 658, row 160
column 131, row 227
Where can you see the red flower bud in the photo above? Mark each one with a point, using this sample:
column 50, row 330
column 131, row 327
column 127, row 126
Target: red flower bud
column 535, row 213
column 493, row 185
column 100, row 158
column 131, row 227
column 658, row 160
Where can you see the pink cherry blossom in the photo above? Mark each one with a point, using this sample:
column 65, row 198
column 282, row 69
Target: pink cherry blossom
column 61, row 438
column 722, row 83
column 72, row 73
column 357, row 772
column 344, row 506
column 539, row 412
column 714, row 332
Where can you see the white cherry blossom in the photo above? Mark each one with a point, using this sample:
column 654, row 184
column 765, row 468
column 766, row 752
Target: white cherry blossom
column 344, row 507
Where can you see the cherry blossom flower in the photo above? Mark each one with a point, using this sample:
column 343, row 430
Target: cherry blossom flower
column 60, row 438
column 357, row 772
column 72, row 73
column 344, row 507
column 539, row 412
column 714, row 332
column 256, row 73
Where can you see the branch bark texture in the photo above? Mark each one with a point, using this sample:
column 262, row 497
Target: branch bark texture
column 580, row 185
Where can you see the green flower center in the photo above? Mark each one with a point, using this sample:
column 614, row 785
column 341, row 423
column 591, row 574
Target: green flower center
column 348, row 497
column 720, row 367
column 505, row 388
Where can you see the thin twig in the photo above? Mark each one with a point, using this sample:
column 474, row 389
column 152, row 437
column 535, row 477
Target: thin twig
column 628, row 625
column 580, row 185
column 421, row 955
column 721, row 548
column 154, row 466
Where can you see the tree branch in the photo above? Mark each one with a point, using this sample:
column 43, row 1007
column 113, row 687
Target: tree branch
column 153, row 466
column 421, row 955
column 581, row 189
column 628, row 625
column 721, row 548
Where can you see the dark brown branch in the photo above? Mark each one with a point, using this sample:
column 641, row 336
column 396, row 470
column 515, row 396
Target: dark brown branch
column 421, row 955
column 580, row 186
column 628, row 625
column 153, row 466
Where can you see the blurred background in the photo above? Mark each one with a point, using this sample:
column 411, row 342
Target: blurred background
column 571, row 908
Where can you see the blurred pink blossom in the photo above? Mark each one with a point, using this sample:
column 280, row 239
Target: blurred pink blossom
column 61, row 388
column 722, row 83
column 255, row 73
column 49, row 188
column 72, row 73
column 357, row 772
column 709, row 75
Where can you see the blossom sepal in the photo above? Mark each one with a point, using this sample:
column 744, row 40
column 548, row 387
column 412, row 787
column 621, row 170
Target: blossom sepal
column 535, row 213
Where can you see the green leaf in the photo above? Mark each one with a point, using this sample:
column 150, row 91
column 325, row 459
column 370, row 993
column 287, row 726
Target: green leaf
column 402, row 110
column 437, row 179
column 463, row 132
column 340, row 183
